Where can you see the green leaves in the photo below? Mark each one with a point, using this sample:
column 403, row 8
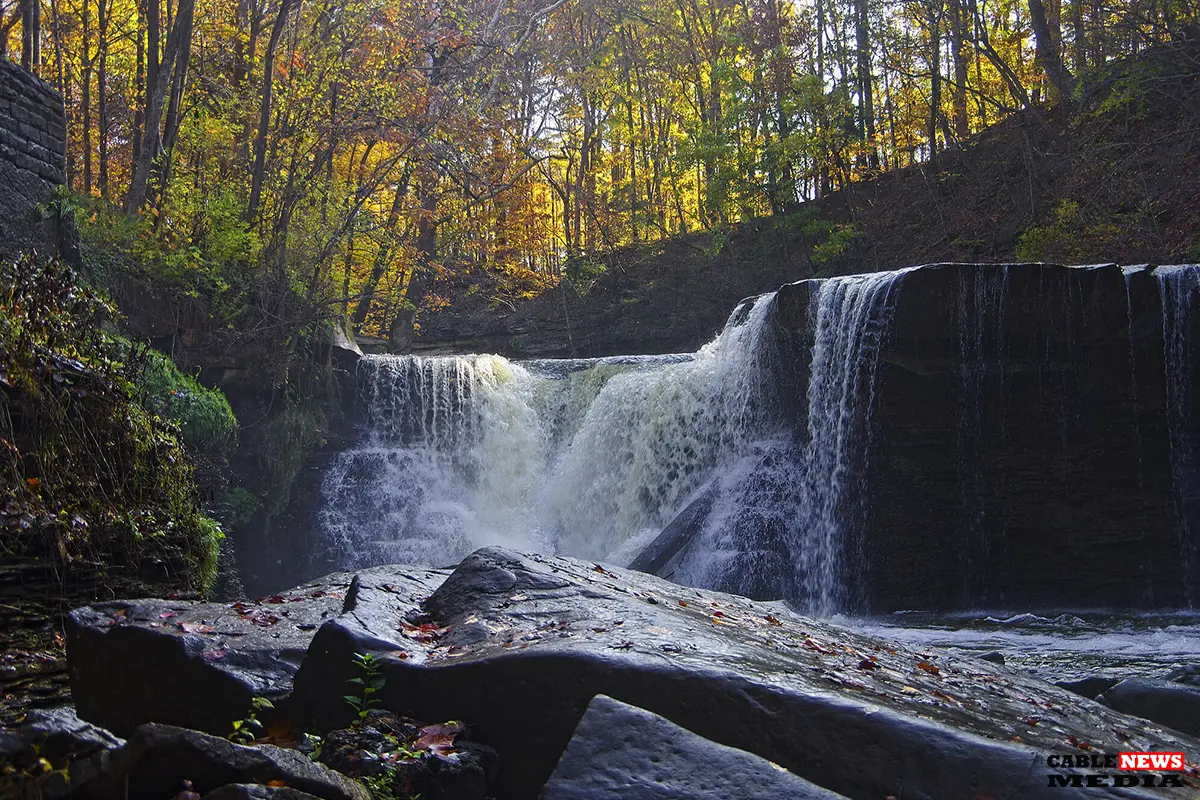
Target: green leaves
column 371, row 681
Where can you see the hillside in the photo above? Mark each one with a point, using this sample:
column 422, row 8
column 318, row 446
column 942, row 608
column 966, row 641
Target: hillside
column 1113, row 181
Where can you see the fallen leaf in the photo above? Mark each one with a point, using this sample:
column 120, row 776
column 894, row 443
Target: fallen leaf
column 867, row 663
column 930, row 668
column 812, row 644
column 425, row 633
column 167, row 615
column 771, row 619
column 213, row 655
column 683, row 603
column 276, row 782
column 196, row 627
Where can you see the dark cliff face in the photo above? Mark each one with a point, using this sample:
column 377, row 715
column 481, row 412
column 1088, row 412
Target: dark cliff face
column 1020, row 448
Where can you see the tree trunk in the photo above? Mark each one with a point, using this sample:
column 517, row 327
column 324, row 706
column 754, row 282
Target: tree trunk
column 866, row 108
column 401, row 335
column 104, row 12
column 31, row 35
column 935, row 75
column 136, row 197
column 383, row 254
column 1048, row 56
column 958, row 51
column 85, row 94
column 258, row 172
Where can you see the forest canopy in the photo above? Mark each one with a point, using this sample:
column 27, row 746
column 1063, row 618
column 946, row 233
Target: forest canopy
column 338, row 156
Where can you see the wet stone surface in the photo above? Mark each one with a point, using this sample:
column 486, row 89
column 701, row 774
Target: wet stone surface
column 518, row 645
column 199, row 665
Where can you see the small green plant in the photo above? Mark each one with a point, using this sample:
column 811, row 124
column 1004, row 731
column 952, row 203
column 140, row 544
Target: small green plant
column 382, row 787
column 370, row 683
column 32, row 775
column 242, row 504
column 313, row 744
column 250, row 729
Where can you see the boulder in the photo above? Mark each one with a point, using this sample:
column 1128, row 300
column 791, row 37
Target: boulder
column 660, row 554
column 435, row 763
column 76, row 751
column 256, row 791
column 198, row 665
column 622, row 751
column 1188, row 674
column 1176, row 705
column 157, row 759
column 60, row 733
column 995, row 657
column 1090, row 687
column 518, row 645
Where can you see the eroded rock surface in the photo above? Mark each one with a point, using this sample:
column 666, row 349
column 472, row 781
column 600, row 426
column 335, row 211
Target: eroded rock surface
column 198, row 665
column 518, row 646
column 622, row 751
column 157, row 759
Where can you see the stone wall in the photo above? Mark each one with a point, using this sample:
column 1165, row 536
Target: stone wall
column 32, row 160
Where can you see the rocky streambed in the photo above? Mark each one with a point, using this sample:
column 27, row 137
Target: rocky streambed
column 524, row 676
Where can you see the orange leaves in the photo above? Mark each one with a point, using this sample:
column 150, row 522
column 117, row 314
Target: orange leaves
column 930, row 668
column 427, row 633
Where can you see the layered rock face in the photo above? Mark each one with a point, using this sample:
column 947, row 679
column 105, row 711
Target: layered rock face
column 1025, row 447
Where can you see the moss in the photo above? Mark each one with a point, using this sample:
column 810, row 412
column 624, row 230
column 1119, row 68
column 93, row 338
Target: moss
column 88, row 472
column 205, row 419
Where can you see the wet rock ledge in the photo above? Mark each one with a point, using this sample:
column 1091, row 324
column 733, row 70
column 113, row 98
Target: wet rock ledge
column 523, row 676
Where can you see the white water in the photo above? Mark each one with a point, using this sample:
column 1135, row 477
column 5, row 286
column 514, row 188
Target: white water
column 1051, row 646
column 585, row 458
column 788, row 520
column 593, row 458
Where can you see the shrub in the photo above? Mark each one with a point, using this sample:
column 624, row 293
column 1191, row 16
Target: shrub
column 87, row 472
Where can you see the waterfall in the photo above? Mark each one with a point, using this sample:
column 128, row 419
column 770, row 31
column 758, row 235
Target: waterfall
column 593, row 458
column 589, row 458
column 790, row 515
column 1179, row 287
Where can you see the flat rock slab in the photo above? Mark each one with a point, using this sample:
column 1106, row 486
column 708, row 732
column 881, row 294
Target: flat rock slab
column 518, row 645
column 622, row 751
column 198, row 665
column 158, row 758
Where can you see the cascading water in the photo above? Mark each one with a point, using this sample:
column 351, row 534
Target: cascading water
column 593, row 458
column 790, row 514
column 587, row 458
column 1179, row 287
